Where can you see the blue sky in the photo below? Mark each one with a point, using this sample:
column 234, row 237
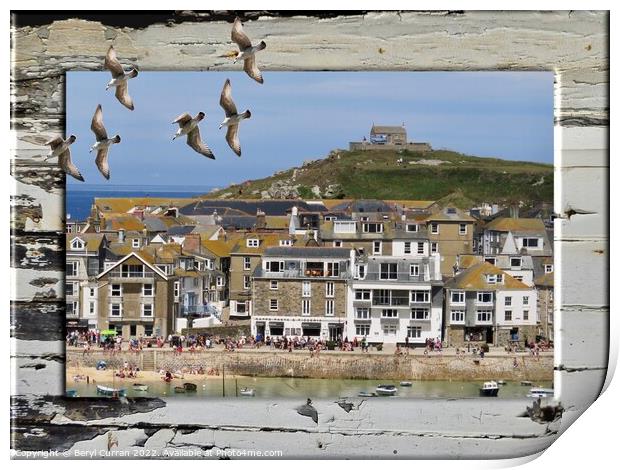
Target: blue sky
column 298, row 116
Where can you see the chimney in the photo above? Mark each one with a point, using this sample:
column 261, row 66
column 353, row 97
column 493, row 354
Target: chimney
column 352, row 262
column 261, row 221
column 514, row 211
column 121, row 235
column 192, row 242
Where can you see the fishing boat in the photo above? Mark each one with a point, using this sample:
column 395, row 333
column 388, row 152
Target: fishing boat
column 111, row 392
column 247, row 392
column 406, row 383
column 489, row 389
column 71, row 392
column 501, row 382
column 386, row 390
column 179, row 389
column 526, row 383
column 190, row 387
column 140, row 387
column 539, row 392
column 366, row 394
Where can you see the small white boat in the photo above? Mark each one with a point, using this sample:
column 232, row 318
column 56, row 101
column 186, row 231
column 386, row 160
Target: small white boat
column 526, row 383
column 247, row 392
column 140, row 387
column 539, row 392
column 501, row 382
column 366, row 394
column 489, row 389
column 406, row 383
column 111, row 392
column 386, row 390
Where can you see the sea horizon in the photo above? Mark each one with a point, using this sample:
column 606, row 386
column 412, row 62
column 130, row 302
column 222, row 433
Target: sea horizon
column 79, row 198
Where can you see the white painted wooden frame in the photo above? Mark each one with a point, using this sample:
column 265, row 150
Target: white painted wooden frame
column 574, row 45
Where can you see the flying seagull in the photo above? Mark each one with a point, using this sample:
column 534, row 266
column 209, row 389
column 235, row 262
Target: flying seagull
column 247, row 52
column 60, row 149
column 119, row 78
column 189, row 126
column 232, row 118
column 103, row 143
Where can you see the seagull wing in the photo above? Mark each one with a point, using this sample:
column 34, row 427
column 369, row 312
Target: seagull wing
column 64, row 159
column 195, row 142
column 97, row 125
column 232, row 137
column 250, row 67
column 122, row 95
column 226, row 101
column 112, row 64
column 55, row 143
column 182, row 119
column 102, row 162
column 238, row 36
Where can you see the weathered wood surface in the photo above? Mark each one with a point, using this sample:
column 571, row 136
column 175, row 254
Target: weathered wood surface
column 572, row 44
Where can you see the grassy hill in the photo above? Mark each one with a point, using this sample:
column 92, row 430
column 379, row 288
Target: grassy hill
column 460, row 179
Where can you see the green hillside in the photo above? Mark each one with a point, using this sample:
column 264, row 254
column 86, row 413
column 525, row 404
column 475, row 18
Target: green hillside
column 462, row 180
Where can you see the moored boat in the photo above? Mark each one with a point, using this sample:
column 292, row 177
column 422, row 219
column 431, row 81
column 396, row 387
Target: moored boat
column 247, row 392
column 140, row 387
column 501, row 382
column 367, row 394
column 71, row 392
column 386, row 390
column 540, row 392
column 526, row 383
column 179, row 389
column 406, row 383
column 111, row 392
column 190, row 387
column 489, row 389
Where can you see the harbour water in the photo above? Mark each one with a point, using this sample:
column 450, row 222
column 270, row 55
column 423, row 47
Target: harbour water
column 300, row 388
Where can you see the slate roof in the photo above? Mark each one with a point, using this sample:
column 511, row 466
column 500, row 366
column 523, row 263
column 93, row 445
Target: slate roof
column 249, row 207
column 474, row 278
column 92, row 240
column 308, row 252
column 508, row 224
column 387, row 130
column 180, row 230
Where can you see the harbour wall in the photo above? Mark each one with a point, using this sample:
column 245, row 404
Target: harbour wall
column 331, row 365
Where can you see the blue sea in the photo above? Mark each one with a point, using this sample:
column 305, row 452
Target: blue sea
column 79, row 198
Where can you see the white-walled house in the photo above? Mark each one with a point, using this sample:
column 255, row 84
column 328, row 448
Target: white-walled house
column 512, row 236
column 392, row 298
column 485, row 304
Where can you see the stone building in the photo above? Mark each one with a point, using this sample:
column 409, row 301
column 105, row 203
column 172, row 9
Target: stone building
column 544, row 283
column 135, row 298
column 451, row 233
column 389, row 137
column 483, row 304
column 511, row 235
column 301, row 291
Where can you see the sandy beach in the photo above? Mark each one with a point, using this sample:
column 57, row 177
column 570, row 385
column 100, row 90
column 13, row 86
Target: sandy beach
column 92, row 375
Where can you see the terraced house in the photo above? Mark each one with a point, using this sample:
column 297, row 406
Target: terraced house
column 301, row 291
column 396, row 299
column 451, row 233
column 485, row 304
column 513, row 236
column 84, row 261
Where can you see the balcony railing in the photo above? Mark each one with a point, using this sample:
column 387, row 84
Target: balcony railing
column 199, row 310
column 300, row 273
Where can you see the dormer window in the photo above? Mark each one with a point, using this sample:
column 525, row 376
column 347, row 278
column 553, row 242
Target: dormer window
column 548, row 268
column 252, row 242
column 77, row 244
column 372, row 228
column 434, row 228
column 515, row 262
column 135, row 243
column 412, row 227
column 285, row 243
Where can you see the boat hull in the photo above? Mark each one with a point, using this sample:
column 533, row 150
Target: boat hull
column 489, row 392
column 111, row 392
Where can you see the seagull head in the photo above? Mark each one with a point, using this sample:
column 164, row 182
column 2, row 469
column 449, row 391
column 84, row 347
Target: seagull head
column 117, row 139
column 200, row 116
column 72, row 138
